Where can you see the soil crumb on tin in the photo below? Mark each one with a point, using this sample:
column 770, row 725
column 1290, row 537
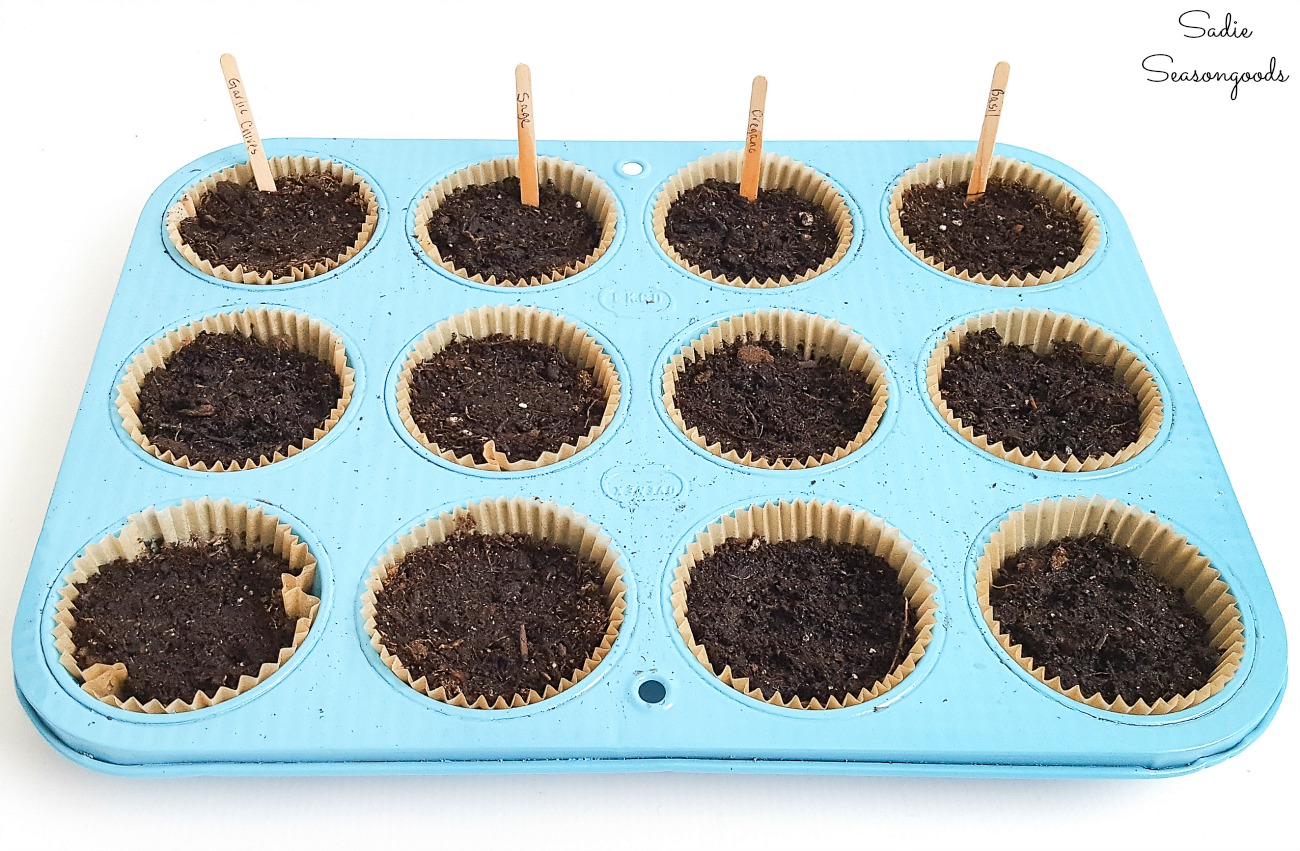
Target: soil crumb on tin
column 1088, row 611
column 184, row 618
column 492, row 615
column 527, row 396
column 1057, row 404
column 486, row 230
column 713, row 227
column 305, row 221
column 755, row 396
column 1012, row 231
column 808, row 618
column 228, row 398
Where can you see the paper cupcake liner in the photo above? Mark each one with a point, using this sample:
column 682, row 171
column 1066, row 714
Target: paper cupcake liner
column 1164, row 552
column 522, row 323
column 246, row 527
column 539, row 521
column 820, row 336
column 297, row 166
column 825, row 521
column 569, row 178
column 266, row 325
column 1039, row 330
column 778, row 173
column 953, row 168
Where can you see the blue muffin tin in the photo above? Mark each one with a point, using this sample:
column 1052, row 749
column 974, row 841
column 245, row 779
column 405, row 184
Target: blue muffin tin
column 334, row 709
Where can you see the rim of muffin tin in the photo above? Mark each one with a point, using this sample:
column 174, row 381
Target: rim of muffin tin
column 1237, row 589
column 697, row 671
column 686, row 336
column 235, row 156
column 1022, row 156
column 507, row 290
column 620, row 412
column 602, row 671
column 324, row 589
column 351, row 350
column 856, row 220
column 1146, row 454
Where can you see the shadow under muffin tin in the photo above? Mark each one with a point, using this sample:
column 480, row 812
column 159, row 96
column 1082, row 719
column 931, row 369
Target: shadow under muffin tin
column 334, row 707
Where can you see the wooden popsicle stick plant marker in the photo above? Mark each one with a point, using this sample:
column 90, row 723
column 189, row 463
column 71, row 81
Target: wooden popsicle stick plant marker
column 247, row 126
column 752, row 165
column 979, row 178
column 527, row 136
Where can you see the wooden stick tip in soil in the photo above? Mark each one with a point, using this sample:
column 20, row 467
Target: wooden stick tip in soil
column 247, row 126
column 752, row 165
column 527, row 135
column 979, row 178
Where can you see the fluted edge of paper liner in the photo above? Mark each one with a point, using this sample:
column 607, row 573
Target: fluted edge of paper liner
column 779, row 172
column 1039, row 330
column 308, row 335
column 522, row 323
column 247, row 527
column 540, row 521
column 569, row 178
column 957, row 167
column 827, row 521
column 281, row 167
column 1163, row 551
column 821, row 337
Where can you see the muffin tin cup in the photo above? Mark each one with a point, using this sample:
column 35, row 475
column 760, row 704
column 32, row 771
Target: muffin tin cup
column 826, row 521
column 569, row 178
column 281, row 167
column 1039, row 330
column 247, row 527
column 820, row 336
column 1163, row 551
column 307, row 334
column 778, row 172
column 539, row 521
column 522, row 323
column 952, row 168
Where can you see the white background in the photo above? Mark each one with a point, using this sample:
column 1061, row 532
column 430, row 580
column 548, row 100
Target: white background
column 101, row 101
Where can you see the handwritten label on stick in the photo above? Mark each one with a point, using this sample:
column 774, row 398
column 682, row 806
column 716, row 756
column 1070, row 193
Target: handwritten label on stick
column 752, row 166
column 979, row 178
column 527, row 136
column 247, row 126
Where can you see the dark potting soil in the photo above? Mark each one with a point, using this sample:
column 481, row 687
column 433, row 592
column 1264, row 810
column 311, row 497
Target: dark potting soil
column 1011, row 231
column 227, row 397
column 492, row 615
column 780, row 233
column 1059, row 404
column 754, row 396
column 526, row 396
column 1087, row 610
column 307, row 220
column 486, row 230
column 808, row 618
column 184, row 618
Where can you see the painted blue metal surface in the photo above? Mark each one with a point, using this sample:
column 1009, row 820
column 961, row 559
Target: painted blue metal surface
column 335, row 709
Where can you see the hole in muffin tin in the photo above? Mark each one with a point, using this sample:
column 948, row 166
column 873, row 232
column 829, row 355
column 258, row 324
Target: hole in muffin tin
column 632, row 168
column 652, row 692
